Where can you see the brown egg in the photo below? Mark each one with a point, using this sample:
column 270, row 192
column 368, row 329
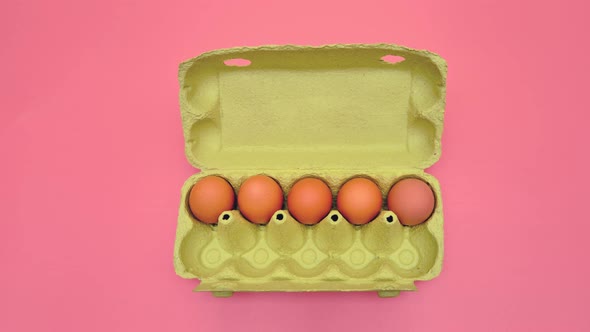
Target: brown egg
column 412, row 200
column 359, row 200
column 209, row 197
column 259, row 198
column 309, row 200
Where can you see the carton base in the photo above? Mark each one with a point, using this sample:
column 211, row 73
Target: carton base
column 223, row 288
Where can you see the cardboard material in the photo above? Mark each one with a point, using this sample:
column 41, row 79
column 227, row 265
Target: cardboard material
column 334, row 112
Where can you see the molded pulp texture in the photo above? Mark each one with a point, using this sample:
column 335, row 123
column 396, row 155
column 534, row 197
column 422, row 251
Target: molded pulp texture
column 334, row 112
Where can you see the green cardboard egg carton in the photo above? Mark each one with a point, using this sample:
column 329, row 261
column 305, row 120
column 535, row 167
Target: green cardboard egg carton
column 333, row 112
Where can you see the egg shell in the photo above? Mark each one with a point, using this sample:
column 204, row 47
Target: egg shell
column 259, row 197
column 359, row 200
column 412, row 200
column 309, row 201
column 209, row 197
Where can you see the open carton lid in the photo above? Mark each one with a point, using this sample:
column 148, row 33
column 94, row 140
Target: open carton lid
column 298, row 107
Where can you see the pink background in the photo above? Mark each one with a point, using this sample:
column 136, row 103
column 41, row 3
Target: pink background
column 92, row 164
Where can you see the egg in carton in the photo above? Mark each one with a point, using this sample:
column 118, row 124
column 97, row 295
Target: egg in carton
column 333, row 112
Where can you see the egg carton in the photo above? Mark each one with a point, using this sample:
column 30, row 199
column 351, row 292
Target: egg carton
column 334, row 112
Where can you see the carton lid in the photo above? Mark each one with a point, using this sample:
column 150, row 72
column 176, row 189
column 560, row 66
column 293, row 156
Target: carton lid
column 301, row 107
